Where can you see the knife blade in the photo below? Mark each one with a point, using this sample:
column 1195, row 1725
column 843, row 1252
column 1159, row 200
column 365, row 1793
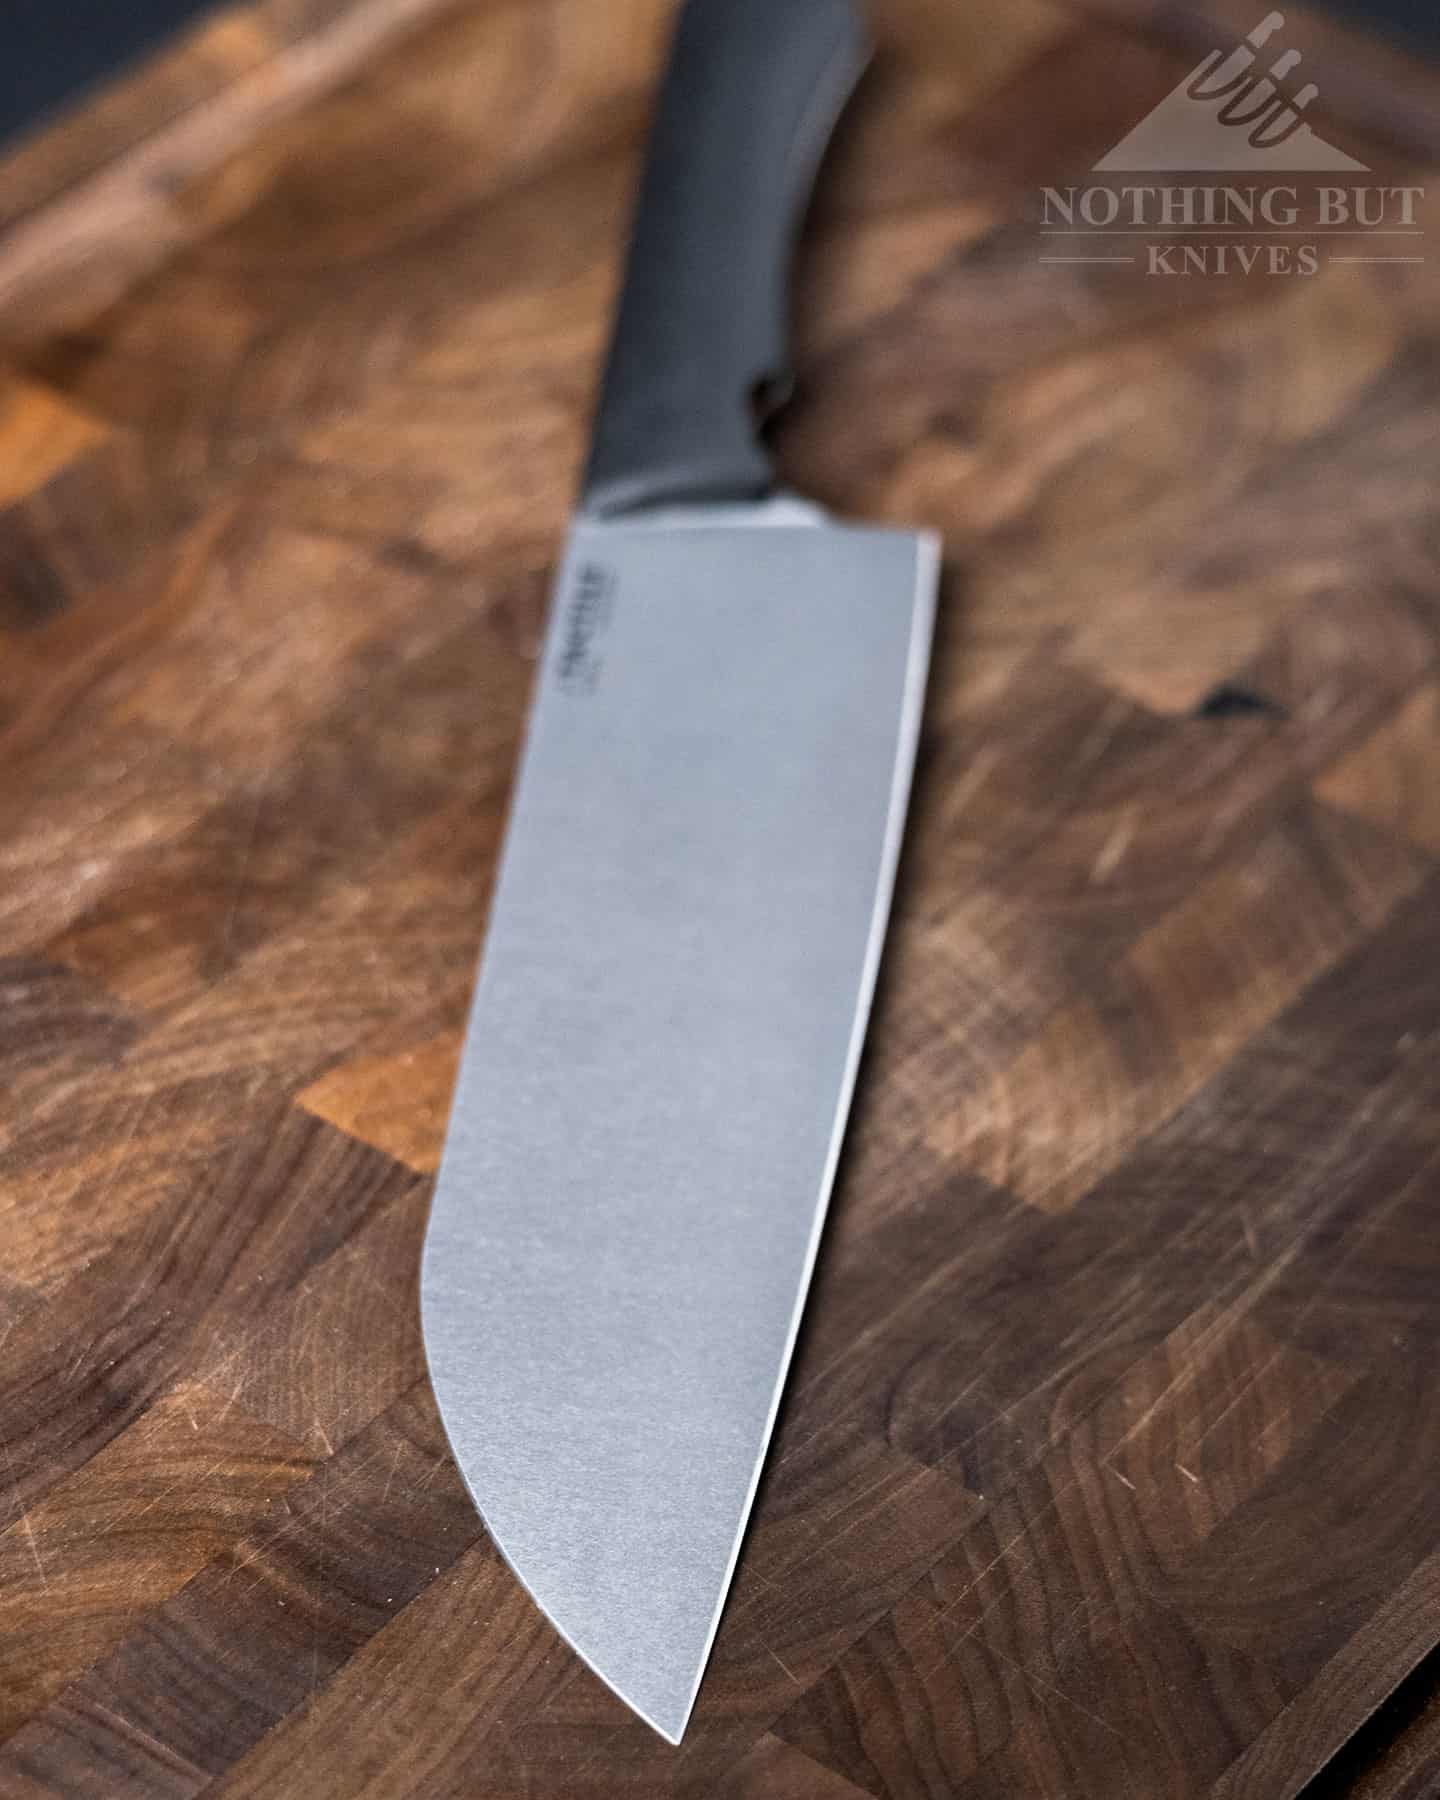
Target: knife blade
column 687, row 923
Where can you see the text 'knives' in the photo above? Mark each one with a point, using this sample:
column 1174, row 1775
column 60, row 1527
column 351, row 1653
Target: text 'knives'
column 687, row 923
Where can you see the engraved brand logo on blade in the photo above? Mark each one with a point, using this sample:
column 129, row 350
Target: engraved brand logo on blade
column 1241, row 118
column 587, row 615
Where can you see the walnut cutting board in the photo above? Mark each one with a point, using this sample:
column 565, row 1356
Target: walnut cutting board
column 1110, row 1461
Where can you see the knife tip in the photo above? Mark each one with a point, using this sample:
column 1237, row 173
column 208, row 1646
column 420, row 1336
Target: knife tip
column 671, row 1727
column 661, row 1696
column 664, row 1705
column 666, row 1708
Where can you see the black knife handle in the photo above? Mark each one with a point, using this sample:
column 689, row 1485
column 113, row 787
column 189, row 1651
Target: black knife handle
column 752, row 93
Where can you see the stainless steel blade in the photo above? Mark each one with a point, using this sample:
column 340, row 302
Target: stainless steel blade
column 680, row 959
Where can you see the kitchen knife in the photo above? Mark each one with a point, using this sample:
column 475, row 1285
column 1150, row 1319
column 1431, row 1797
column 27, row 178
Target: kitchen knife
column 688, row 917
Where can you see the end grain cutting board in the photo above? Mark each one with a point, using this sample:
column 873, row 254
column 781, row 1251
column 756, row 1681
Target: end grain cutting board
column 1109, row 1462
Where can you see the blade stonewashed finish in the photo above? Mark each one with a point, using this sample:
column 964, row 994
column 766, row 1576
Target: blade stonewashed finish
column 687, row 925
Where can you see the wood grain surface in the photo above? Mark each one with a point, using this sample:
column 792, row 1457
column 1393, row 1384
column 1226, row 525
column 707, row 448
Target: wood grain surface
column 1109, row 1463
column 91, row 205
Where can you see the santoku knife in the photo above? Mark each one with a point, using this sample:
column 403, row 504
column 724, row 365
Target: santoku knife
column 688, row 918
